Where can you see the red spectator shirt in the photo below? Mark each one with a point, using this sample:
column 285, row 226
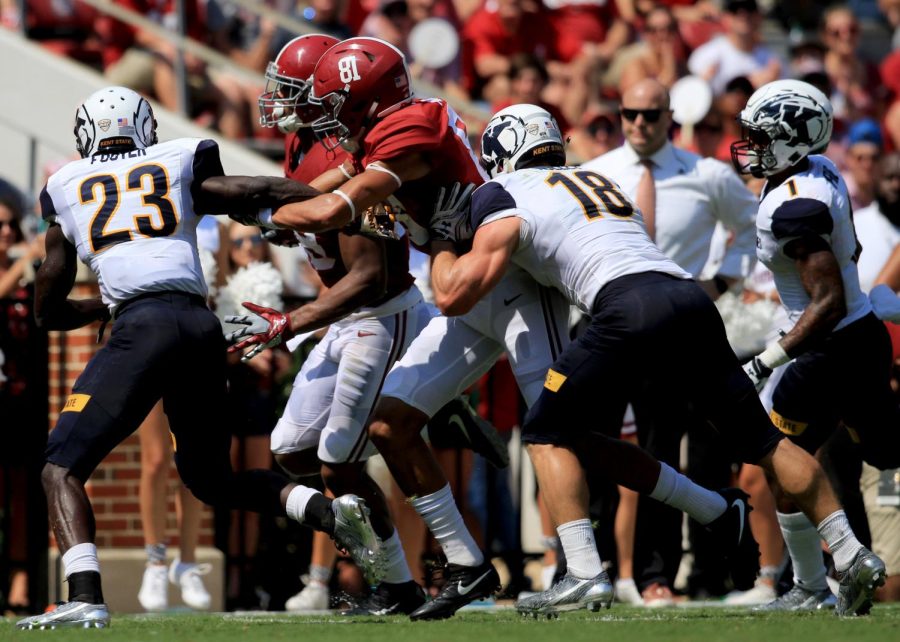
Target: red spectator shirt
column 576, row 22
column 305, row 160
column 485, row 34
column 432, row 128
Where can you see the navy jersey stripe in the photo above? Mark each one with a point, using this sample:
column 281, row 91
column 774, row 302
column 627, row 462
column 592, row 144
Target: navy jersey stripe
column 48, row 209
column 206, row 165
column 801, row 217
column 489, row 199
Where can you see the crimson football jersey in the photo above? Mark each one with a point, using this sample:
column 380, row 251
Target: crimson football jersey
column 429, row 127
column 304, row 160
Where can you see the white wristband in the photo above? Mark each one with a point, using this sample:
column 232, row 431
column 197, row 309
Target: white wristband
column 345, row 172
column 265, row 218
column 774, row 356
column 348, row 201
column 382, row 168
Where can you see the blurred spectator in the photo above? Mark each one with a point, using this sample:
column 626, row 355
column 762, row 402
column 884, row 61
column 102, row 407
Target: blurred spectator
column 729, row 105
column 250, row 42
column 707, row 138
column 395, row 20
column 807, row 56
column 876, row 232
column 156, row 462
column 660, row 54
column 891, row 11
column 596, row 133
column 326, row 15
column 853, row 81
column 738, row 52
column 527, row 80
column 890, row 76
column 145, row 62
column 65, row 27
column 20, row 386
column 494, row 33
column 586, row 28
column 861, row 159
column 251, row 396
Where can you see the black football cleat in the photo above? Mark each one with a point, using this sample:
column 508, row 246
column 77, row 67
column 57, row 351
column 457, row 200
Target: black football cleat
column 465, row 584
column 735, row 539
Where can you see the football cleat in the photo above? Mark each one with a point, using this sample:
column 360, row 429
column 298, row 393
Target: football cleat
column 354, row 533
column 800, row 599
column 464, row 585
column 735, row 539
column 569, row 594
column 69, row 614
column 859, row 582
column 390, row 599
column 456, row 425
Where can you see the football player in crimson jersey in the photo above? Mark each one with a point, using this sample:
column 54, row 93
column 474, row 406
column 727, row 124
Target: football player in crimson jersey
column 374, row 311
column 417, row 152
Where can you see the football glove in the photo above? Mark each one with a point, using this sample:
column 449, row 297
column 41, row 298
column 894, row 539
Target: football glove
column 450, row 221
column 282, row 237
column 264, row 328
column 758, row 372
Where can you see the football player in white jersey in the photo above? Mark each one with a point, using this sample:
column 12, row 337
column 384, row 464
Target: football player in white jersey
column 129, row 209
column 840, row 351
column 573, row 230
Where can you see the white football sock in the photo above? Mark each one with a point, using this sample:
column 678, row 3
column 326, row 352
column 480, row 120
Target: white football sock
column 397, row 568
column 805, row 547
column 836, row 531
column 319, row 574
column 81, row 558
column 445, row 522
column 676, row 490
column 582, row 558
column 297, row 500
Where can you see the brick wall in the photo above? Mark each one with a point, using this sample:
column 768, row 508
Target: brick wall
column 113, row 487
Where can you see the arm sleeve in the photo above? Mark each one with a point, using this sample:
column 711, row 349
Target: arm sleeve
column 735, row 206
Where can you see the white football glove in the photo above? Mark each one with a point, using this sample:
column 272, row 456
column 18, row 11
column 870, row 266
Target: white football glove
column 450, row 221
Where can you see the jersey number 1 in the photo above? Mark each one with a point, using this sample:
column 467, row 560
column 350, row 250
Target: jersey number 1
column 155, row 195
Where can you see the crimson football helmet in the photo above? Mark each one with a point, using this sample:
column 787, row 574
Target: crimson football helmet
column 355, row 83
column 284, row 103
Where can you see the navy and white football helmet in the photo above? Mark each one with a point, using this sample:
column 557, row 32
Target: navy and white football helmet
column 784, row 122
column 114, row 119
column 518, row 134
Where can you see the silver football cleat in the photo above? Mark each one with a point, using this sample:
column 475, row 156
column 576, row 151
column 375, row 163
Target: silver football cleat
column 568, row 594
column 859, row 582
column 354, row 533
column 800, row 599
column 70, row 614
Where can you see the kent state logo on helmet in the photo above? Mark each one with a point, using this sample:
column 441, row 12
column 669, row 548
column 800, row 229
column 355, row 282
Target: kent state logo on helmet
column 518, row 134
column 784, row 122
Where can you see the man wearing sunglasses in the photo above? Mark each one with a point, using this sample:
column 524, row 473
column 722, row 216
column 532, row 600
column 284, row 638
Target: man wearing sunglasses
column 683, row 198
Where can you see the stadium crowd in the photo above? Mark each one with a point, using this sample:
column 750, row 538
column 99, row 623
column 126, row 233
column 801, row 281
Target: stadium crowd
column 608, row 71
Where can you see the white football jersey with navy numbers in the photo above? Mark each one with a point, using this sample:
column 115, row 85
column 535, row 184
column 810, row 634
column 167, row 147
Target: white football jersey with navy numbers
column 814, row 202
column 578, row 232
column 131, row 216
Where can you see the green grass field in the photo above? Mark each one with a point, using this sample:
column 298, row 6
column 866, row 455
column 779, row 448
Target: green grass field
column 621, row 623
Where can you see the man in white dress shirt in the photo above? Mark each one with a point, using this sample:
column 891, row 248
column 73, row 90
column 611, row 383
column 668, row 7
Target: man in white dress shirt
column 683, row 198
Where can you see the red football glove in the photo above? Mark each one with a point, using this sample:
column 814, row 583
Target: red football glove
column 264, row 328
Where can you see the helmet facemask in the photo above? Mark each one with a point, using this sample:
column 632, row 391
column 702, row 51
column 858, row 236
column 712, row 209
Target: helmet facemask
column 753, row 153
column 328, row 128
column 285, row 102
